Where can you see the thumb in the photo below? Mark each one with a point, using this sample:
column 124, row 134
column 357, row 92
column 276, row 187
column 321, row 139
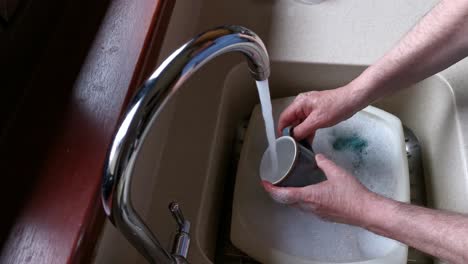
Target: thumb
column 284, row 195
column 330, row 169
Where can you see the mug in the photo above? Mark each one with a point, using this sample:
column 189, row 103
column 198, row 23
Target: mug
column 296, row 163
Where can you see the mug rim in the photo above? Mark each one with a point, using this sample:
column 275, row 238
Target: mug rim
column 294, row 159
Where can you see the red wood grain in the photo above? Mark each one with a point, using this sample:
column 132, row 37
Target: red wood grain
column 57, row 144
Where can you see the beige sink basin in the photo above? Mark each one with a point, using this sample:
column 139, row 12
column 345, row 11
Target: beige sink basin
column 202, row 134
column 274, row 233
column 189, row 153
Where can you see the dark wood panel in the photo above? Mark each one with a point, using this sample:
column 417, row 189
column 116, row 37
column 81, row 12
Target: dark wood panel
column 22, row 43
column 53, row 149
column 8, row 9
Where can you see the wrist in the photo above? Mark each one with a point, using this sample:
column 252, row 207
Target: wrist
column 366, row 88
column 353, row 99
column 376, row 213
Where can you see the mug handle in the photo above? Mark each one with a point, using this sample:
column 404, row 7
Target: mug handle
column 288, row 131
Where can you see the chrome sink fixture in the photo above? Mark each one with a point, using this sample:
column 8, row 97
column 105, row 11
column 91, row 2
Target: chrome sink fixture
column 142, row 112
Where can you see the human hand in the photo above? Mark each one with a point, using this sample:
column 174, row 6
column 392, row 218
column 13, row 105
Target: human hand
column 341, row 198
column 317, row 109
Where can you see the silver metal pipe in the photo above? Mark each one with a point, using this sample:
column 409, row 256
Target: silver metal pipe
column 143, row 111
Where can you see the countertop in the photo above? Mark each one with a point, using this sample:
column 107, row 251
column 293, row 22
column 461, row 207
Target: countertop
column 53, row 151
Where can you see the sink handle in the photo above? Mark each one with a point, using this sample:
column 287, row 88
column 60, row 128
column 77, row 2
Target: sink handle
column 182, row 224
column 182, row 239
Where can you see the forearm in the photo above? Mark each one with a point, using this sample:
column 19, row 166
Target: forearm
column 439, row 40
column 441, row 234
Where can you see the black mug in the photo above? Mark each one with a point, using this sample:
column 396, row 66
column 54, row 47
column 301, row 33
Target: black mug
column 296, row 163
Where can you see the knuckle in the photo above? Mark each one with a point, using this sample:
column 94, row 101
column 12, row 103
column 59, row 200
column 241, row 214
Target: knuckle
column 311, row 121
column 301, row 96
column 311, row 196
column 280, row 196
column 326, row 164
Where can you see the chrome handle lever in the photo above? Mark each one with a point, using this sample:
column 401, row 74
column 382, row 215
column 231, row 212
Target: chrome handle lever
column 182, row 239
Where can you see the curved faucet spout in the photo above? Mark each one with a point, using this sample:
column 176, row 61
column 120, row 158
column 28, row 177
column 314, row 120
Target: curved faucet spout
column 141, row 114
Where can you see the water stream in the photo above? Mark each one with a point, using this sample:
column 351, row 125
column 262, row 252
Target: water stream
column 265, row 101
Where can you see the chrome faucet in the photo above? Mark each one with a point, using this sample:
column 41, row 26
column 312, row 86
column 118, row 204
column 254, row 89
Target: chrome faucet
column 139, row 117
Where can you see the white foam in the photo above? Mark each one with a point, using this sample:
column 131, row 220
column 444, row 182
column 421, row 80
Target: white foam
column 374, row 164
column 290, row 230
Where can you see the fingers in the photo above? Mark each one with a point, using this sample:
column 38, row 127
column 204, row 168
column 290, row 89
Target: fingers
column 292, row 115
column 284, row 195
column 330, row 169
column 307, row 128
column 304, row 126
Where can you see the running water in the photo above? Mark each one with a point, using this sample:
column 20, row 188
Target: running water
column 265, row 102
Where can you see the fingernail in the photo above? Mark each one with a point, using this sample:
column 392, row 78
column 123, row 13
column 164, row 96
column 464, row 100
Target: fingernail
column 319, row 157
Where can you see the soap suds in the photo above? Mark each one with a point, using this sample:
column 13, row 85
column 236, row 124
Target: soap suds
column 362, row 147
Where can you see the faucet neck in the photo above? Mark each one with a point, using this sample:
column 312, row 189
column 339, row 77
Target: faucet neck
column 141, row 114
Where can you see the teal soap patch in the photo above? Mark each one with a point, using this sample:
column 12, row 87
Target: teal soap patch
column 354, row 144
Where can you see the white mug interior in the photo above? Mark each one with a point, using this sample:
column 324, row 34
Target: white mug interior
column 286, row 148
